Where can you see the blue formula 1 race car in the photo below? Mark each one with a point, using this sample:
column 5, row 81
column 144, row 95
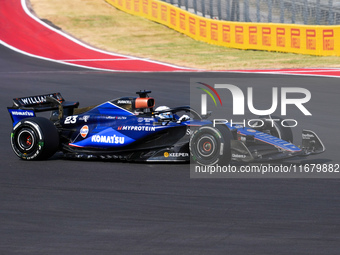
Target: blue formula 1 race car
column 129, row 128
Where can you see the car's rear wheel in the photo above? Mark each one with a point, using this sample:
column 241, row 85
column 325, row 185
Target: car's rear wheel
column 35, row 139
column 208, row 146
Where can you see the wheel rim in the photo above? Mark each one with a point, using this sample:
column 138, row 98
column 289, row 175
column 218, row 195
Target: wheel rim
column 26, row 140
column 206, row 146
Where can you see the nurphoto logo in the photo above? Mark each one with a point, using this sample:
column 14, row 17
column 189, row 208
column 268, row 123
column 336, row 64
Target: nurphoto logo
column 296, row 96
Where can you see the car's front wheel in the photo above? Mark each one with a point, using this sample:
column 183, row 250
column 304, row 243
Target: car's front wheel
column 208, row 146
column 35, row 139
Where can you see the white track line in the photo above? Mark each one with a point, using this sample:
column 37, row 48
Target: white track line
column 24, row 5
column 56, row 61
column 312, row 71
column 96, row 60
column 278, row 72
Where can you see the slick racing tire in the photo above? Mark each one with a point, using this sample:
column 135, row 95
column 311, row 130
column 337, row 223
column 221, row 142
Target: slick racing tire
column 35, row 139
column 208, row 146
column 276, row 129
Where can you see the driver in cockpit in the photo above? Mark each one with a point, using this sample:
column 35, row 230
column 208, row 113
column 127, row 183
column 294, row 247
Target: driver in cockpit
column 169, row 115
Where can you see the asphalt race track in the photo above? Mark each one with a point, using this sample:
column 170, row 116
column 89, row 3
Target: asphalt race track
column 63, row 206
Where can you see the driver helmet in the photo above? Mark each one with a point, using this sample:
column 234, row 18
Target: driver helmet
column 163, row 115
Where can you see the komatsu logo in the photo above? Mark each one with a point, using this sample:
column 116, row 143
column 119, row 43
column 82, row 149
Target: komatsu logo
column 107, row 139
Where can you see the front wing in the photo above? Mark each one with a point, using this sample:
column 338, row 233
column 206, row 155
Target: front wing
column 270, row 151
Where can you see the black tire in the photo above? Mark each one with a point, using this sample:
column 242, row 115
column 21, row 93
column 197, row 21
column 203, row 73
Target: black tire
column 208, row 146
column 35, row 139
column 276, row 129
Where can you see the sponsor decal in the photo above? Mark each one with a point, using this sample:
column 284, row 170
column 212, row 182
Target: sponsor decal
column 136, row 5
column 253, row 35
column 295, row 38
column 238, row 156
column 176, row 155
column 266, row 36
column 173, row 17
column 307, row 136
column 328, row 39
column 35, row 100
column 251, row 130
column 115, row 118
column 311, row 39
column 137, row 128
column 280, row 37
column 214, row 31
column 239, row 34
column 192, row 25
column 22, row 113
column 148, row 119
column 124, row 102
column 164, row 12
column 203, row 28
column 154, row 7
column 182, row 21
column 145, row 7
column 226, row 33
column 84, row 131
column 113, row 139
column 85, row 118
column 128, row 4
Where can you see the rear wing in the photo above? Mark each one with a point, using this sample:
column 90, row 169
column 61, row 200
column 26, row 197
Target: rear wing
column 25, row 107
